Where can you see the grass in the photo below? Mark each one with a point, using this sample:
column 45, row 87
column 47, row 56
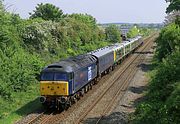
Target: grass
column 22, row 104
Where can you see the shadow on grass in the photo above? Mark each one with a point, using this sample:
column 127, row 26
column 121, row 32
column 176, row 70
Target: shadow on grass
column 140, row 100
column 31, row 107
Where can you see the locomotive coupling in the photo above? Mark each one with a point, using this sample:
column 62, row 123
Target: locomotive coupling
column 42, row 99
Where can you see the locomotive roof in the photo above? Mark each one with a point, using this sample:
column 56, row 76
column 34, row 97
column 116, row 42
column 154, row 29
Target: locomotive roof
column 71, row 64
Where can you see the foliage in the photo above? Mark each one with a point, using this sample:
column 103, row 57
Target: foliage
column 163, row 98
column 162, row 105
column 47, row 12
column 173, row 6
column 85, row 18
column 173, row 17
column 145, row 31
column 113, row 34
column 168, row 41
column 69, row 33
column 133, row 32
column 26, row 46
column 38, row 35
column 18, row 68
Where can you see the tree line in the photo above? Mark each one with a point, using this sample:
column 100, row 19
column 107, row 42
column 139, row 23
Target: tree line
column 28, row 45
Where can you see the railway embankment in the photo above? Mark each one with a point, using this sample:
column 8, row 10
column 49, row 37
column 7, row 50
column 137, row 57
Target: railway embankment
column 102, row 100
column 162, row 103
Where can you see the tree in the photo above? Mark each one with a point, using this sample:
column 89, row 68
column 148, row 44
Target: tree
column 173, row 6
column 173, row 11
column 113, row 34
column 133, row 32
column 168, row 41
column 85, row 18
column 1, row 5
column 47, row 12
column 172, row 17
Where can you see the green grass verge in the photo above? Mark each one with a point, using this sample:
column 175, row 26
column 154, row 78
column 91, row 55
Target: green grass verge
column 22, row 104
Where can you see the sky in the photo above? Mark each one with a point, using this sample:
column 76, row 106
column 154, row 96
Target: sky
column 105, row 11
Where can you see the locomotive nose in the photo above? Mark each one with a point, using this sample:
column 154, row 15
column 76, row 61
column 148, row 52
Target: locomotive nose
column 42, row 99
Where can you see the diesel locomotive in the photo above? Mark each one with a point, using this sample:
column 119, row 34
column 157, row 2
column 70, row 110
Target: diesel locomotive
column 64, row 82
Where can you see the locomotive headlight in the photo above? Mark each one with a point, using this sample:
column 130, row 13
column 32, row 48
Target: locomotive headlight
column 42, row 99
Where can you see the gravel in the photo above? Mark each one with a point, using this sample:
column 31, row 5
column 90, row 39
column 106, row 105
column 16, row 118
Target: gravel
column 121, row 109
column 134, row 95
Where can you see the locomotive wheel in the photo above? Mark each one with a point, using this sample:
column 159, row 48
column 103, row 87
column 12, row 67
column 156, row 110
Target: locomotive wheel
column 82, row 93
column 78, row 96
column 64, row 107
column 69, row 103
column 90, row 86
column 86, row 89
column 73, row 100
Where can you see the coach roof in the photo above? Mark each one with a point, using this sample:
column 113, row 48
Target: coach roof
column 102, row 51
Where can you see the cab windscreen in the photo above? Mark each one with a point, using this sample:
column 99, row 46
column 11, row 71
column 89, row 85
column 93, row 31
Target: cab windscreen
column 52, row 76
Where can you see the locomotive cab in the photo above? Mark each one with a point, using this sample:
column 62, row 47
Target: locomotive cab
column 55, row 83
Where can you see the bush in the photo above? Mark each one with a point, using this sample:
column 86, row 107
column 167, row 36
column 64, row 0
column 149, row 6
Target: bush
column 113, row 34
column 168, row 41
column 163, row 98
column 133, row 32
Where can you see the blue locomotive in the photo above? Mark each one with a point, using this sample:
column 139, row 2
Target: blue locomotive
column 63, row 82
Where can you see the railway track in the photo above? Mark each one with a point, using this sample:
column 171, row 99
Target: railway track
column 51, row 117
column 126, row 76
column 42, row 118
column 120, row 93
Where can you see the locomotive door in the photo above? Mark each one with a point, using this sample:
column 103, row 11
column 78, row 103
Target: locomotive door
column 71, row 80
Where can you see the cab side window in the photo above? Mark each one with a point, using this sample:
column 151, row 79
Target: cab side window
column 70, row 76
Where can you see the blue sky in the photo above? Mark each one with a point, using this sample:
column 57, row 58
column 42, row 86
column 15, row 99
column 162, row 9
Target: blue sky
column 105, row 11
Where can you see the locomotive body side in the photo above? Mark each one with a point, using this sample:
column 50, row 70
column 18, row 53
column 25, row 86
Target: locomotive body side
column 60, row 82
column 64, row 81
column 84, row 75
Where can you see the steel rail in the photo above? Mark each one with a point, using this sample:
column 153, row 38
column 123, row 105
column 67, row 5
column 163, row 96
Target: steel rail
column 107, row 89
column 46, row 115
column 124, row 87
